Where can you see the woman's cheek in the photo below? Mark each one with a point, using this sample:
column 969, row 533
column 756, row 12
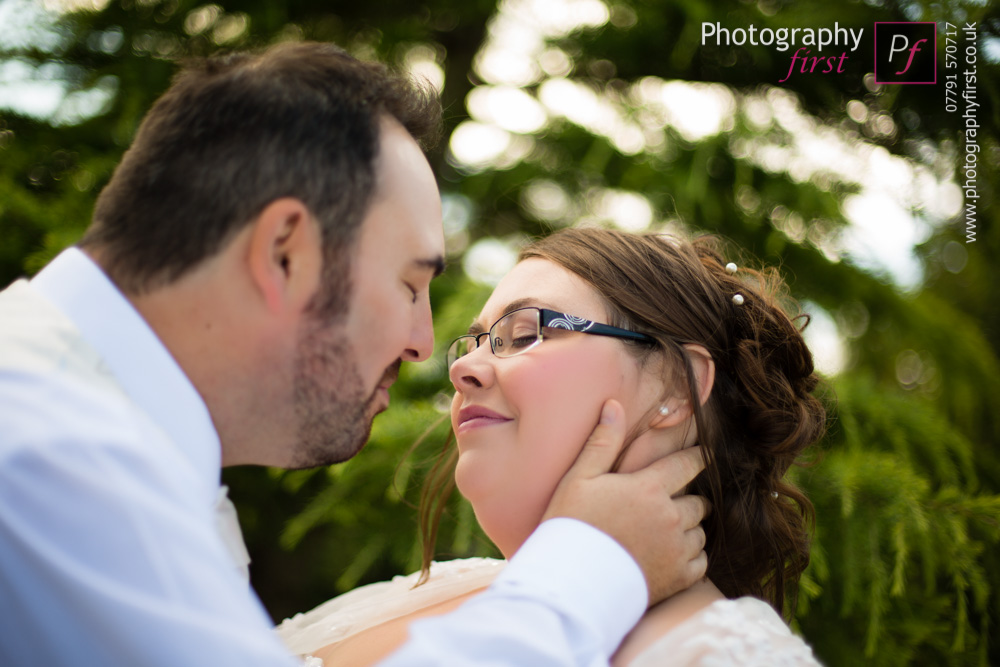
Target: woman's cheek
column 563, row 396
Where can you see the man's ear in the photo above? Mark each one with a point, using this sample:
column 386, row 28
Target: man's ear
column 679, row 409
column 284, row 254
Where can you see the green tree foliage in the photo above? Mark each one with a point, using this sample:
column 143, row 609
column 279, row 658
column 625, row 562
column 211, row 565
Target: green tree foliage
column 905, row 566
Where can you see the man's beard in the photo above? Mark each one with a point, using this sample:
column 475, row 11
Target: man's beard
column 333, row 411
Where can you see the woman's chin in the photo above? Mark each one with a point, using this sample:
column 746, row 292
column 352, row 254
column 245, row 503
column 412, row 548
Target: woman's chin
column 472, row 480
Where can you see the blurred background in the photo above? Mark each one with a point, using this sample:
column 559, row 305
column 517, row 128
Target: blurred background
column 613, row 112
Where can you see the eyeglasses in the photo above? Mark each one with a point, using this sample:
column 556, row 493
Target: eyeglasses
column 524, row 328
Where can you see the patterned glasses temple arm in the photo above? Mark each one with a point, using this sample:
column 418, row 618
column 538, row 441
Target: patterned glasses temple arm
column 554, row 320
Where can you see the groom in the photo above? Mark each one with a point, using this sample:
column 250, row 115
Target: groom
column 256, row 271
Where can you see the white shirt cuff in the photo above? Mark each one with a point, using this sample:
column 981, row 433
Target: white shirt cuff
column 582, row 572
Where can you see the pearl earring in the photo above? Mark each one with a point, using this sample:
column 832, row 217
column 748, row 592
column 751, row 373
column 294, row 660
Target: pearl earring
column 664, row 410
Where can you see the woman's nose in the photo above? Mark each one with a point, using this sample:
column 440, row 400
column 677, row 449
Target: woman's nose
column 474, row 370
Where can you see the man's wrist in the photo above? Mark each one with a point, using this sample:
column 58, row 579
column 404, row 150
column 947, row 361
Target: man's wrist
column 581, row 572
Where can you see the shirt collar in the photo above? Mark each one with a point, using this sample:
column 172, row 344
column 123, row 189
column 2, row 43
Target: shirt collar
column 137, row 358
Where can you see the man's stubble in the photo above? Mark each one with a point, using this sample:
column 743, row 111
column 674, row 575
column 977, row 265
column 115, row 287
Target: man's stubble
column 333, row 409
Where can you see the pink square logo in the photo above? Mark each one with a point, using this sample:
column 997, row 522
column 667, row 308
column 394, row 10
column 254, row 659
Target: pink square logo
column 905, row 52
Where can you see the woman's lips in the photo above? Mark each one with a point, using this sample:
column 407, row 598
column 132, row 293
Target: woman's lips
column 474, row 417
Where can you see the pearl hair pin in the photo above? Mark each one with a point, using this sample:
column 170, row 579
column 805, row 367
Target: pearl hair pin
column 731, row 269
column 774, row 494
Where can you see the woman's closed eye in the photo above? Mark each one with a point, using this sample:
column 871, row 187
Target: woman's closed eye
column 522, row 335
column 518, row 342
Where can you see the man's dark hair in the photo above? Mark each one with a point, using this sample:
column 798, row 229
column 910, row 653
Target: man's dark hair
column 234, row 133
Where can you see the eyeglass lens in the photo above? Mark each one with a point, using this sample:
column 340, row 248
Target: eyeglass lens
column 512, row 333
column 515, row 332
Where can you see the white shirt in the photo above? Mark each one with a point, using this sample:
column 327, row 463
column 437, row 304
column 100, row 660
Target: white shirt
column 110, row 551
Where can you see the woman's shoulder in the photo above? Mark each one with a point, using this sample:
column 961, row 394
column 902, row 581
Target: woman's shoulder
column 374, row 604
column 745, row 631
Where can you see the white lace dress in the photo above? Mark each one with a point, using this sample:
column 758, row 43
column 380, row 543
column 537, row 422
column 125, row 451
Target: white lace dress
column 745, row 632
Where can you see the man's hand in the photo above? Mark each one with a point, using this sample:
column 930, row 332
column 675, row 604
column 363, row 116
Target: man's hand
column 642, row 510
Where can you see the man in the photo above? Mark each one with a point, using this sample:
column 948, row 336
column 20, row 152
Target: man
column 256, row 272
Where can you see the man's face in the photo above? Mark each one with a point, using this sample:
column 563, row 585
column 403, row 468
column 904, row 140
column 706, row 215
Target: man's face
column 343, row 369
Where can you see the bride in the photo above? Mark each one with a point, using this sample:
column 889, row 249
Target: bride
column 694, row 351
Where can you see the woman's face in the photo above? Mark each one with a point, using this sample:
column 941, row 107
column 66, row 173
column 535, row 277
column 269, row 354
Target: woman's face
column 543, row 403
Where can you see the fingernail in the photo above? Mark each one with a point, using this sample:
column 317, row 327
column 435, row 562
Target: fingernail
column 608, row 414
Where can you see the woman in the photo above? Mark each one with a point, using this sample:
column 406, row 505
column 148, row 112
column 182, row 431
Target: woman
column 697, row 351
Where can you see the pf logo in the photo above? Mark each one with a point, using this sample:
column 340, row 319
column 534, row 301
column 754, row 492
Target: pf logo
column 905, row 53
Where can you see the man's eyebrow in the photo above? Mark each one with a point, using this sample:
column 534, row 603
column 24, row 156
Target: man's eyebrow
column 477, row 328
column 435, row 264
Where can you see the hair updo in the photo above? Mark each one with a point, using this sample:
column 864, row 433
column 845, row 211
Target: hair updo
column 761, row 413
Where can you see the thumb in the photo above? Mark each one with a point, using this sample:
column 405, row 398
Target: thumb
column 603, row 445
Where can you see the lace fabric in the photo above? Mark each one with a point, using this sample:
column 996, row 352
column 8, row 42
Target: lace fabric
column 745, row 632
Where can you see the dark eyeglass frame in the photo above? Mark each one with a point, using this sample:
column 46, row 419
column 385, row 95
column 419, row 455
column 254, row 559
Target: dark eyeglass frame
column 550, row 319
